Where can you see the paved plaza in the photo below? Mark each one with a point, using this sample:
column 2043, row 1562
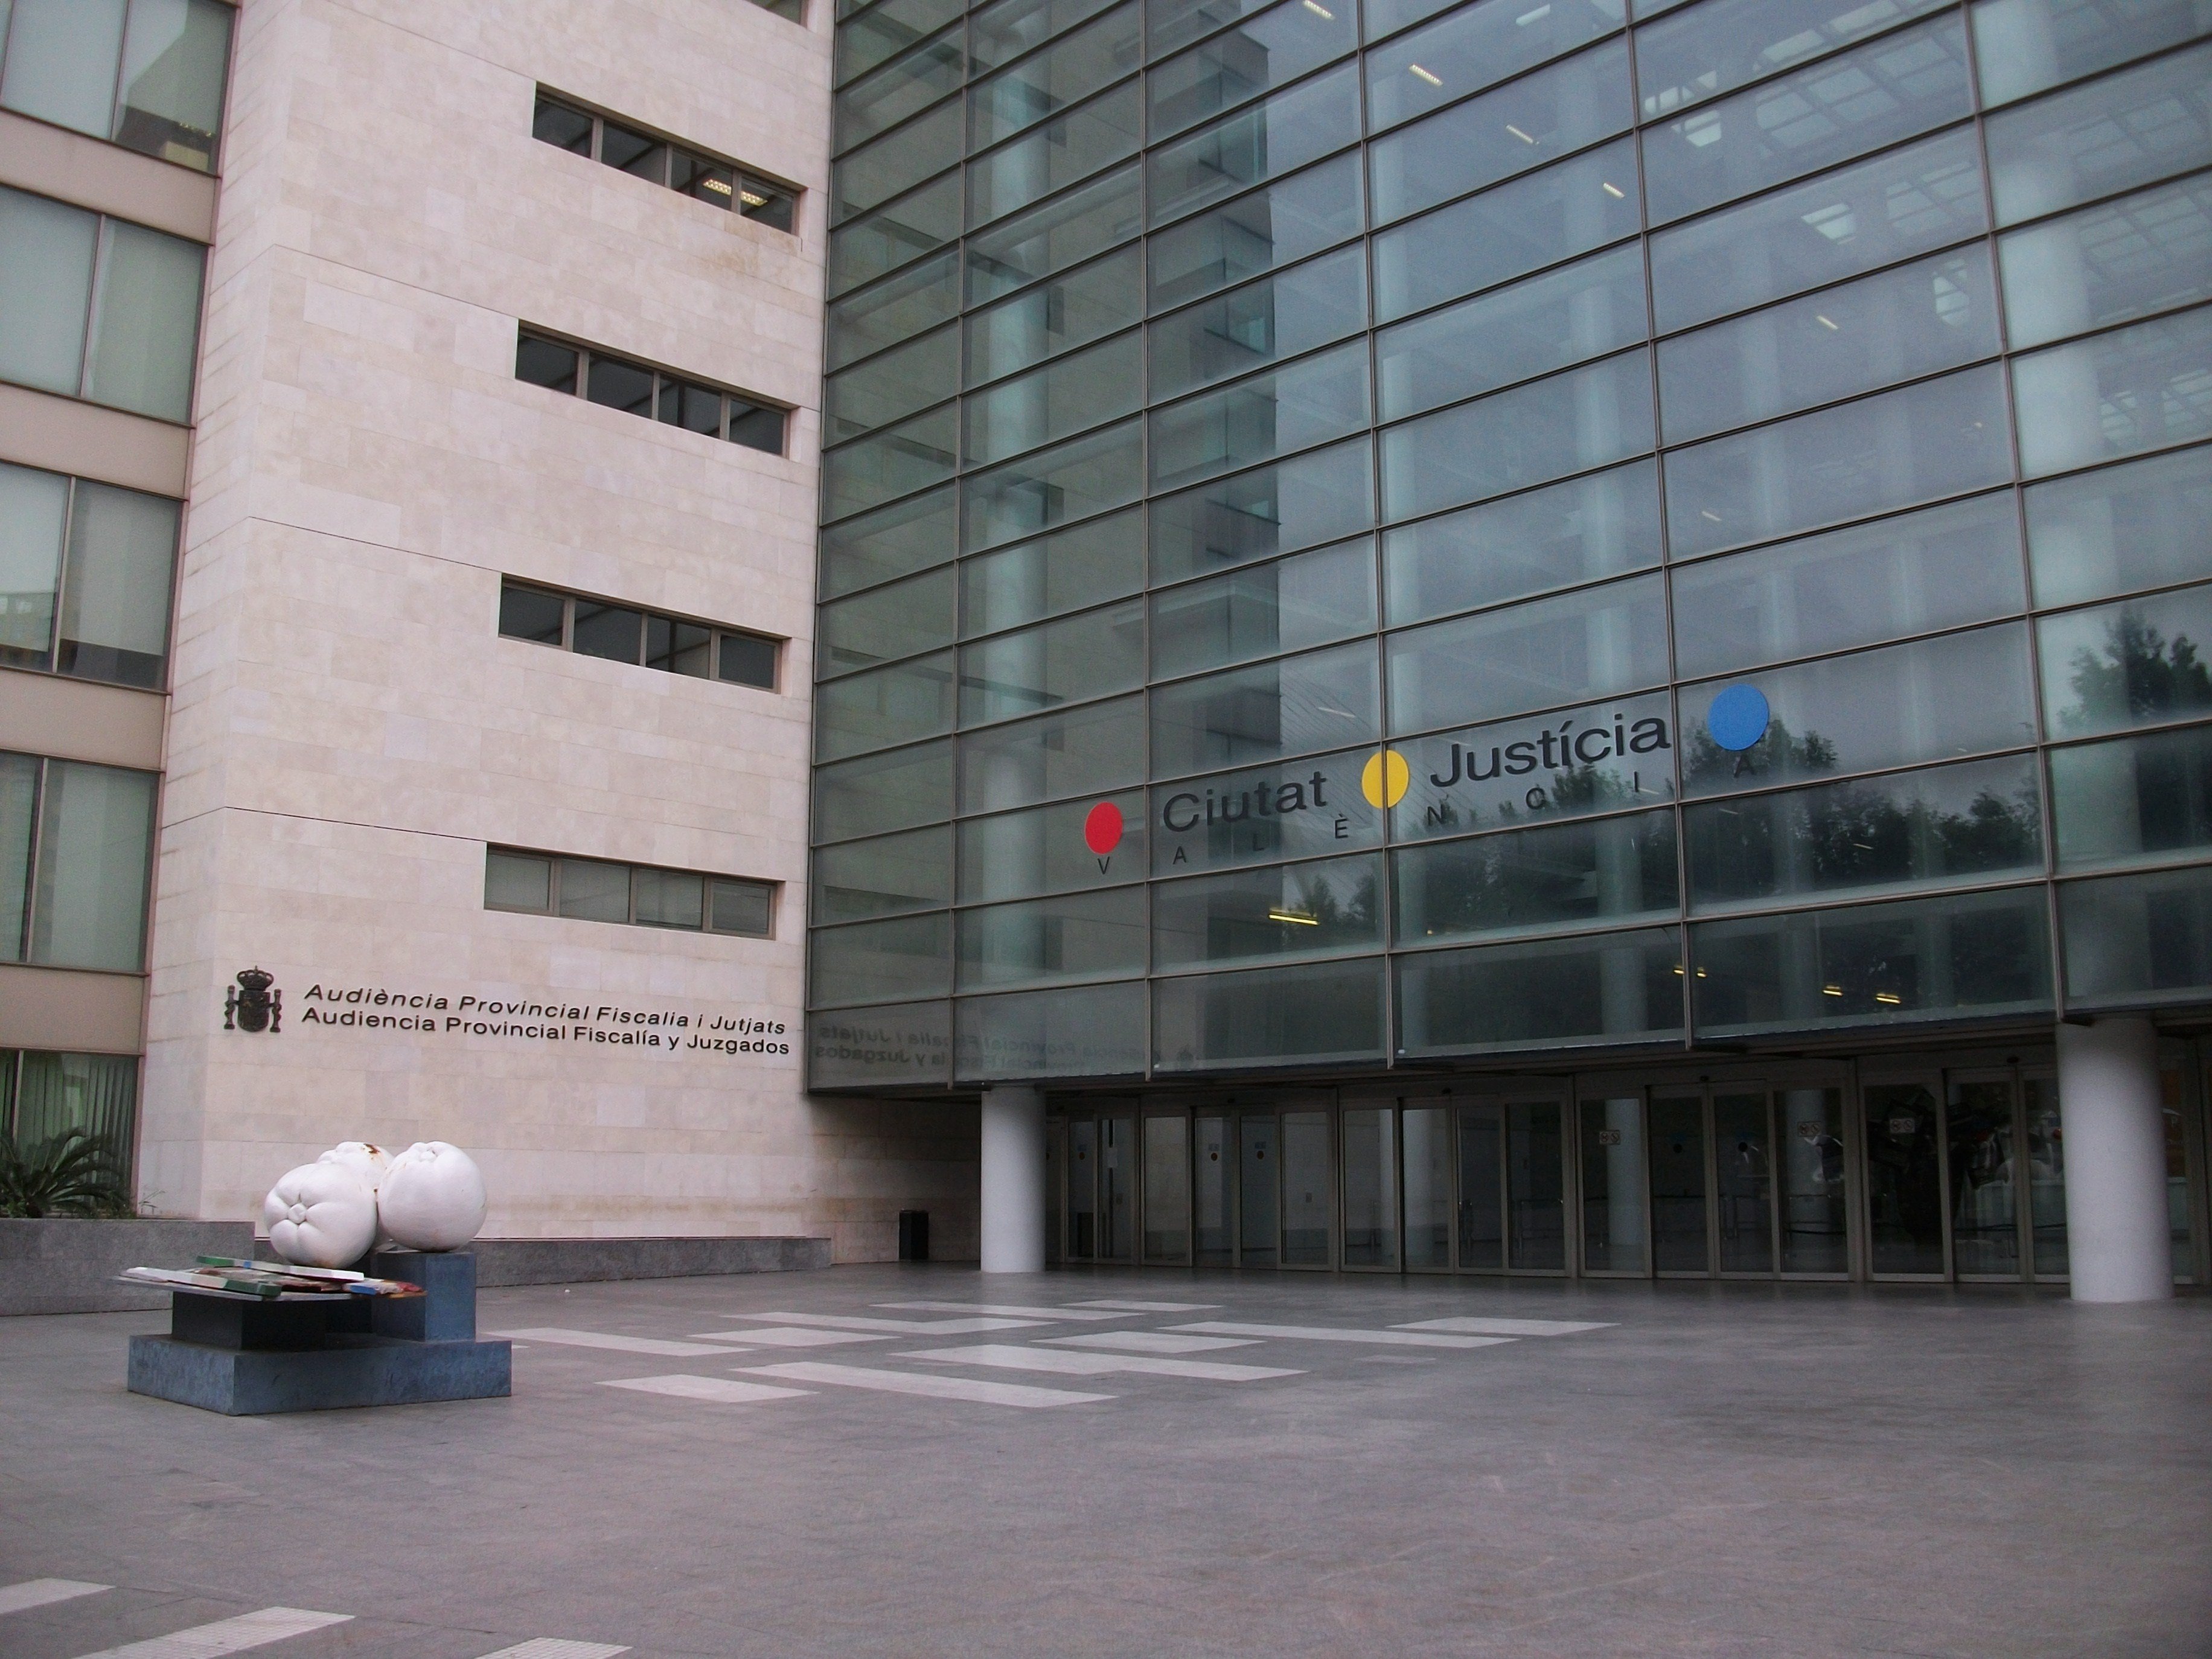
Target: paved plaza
column 919, row 1462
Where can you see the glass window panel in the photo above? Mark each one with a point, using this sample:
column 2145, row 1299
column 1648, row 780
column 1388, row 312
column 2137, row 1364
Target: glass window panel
column 1097, row 1031
column 884, row 706
column 1078, row 62
column 1856, row 218
column 756, row 426
column 669, row 898
column 1594, row 643
column 885, row 622
column 1897, row 325
column 1428, row 1189
column 1172, row 23
column 1815, row 1228
column 618, row 385
column 1614, row 988
column 909, row 536
column 881, row 1046
column 1052, row 849
column 1091, row 655
column 1262, row 52
column 898, row 161
column 1614, row 1195
column 1561, row 876
column 1293, row 407
column 884, row 792
column 2022, row 46
column 590, row 891
column 1973, row 954
column 1066, row 395
column 1275, row 137
column 1306, row 600
column 906, row 956
column 882, row 32
column 1319, row 700
column 45, row 290
column 62, row 59
column 1743, row 1165
column 2137, row 938
column 886, row 238
column 1522, row 226
column 2143, row 387
column 1331, row 907
column 1896, row 88
column 1296, row 809
column 1517, row 127
column 1056, row 315
column 115, row 601
column 532, row 614
column 1312, row 1013
column 1475, row 47
column 1370, row 1187
column 1315, row 497
column 1102, row 560
column 1531, row 434
column 611, row 631
column 1267, row 230
column 1947, row 825
column 2137, row 525
column 858, row 879
column 1617, row 753
column 174, row 58
column 1551, row 322
column 1000, row 32
column 1714, row 48
column 1603, row 525
column 2113, row 135
column 747, row 660
column 19, row 808
column 1054, row 235
column 1045, row 941
column 1904, row 1194
column 2109, row 263
column 34, row 512
column 1926, row 701
column 1939, row 438
column 1050, row 487
column 1939, row 568
column 2132, row 801
column 2137, row 663
column 1098, row 748
column 1248, row 327
column 95, row 835
column 893, row 311
column 693, row 407
column 1070, row 147
column 544, row 362
column 889, row 386
column 97, row 1093
column 893, row 462
column 635, row 153
column 883, row 98
column 1535, row 1182
column 518, row 881
column 741, row 906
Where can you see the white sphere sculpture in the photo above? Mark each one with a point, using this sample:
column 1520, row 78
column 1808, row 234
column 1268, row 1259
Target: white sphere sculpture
column 433, row 1197
column 365, row 1158
column 320, row 1215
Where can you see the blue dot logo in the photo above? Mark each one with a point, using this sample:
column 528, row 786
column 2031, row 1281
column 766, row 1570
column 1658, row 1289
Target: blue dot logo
column 1738, row 718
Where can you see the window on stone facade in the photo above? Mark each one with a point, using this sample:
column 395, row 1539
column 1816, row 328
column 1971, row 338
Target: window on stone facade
column 638, row 388
column 643, row 895
column 148, row 75
column 598, row 628
column 85, row 574
column 663, row 162
column 75, row 843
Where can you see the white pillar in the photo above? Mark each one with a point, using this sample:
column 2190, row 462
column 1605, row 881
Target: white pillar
column 2113, row 1125
column 1014, row 1180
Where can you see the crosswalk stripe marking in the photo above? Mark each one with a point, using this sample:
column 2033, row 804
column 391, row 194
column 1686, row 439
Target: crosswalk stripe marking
column 935, row 1387
column 1007, row 1311
column 1486, row 1327
column 1334, row 1334
column 248, row 1630
column 719, row 1389
column 1150, row 1307
column 895, row 1327
column 1007, row 1357
column 45, row 1592
column 789, row 1336
column 607, row 1339
column 1150, row 1341
column 552, row 1647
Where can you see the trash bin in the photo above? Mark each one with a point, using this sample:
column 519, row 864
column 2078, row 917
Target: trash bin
column 914, row 1235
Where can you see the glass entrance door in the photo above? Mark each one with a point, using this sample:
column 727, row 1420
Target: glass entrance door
column 1511, row 1202
column 1213, row 1192
column 1309, row 1191
column 1117, row 1196
column 1259, row 1191
column 1968, row 1184
column 1082, row 1190
column 1679, row 1208
column 1743, row 1182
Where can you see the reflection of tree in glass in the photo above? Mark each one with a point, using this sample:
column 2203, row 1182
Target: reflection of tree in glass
column 1854, row 834
column 1777, row 754
column 1555, row 875
column 2138, row 675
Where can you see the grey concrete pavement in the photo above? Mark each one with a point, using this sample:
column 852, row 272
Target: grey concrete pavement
column 1718, row 1470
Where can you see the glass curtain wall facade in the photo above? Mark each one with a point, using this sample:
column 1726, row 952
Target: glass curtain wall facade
column 1356, row 537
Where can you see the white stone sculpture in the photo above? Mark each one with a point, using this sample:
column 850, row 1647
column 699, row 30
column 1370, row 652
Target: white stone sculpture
column 433, row 1197
column 371, row 1162
column 320, row 1215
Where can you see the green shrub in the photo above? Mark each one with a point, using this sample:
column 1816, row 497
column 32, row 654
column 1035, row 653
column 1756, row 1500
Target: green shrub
column 66, row 1175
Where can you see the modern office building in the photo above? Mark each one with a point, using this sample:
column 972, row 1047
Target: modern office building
column 1516, row 638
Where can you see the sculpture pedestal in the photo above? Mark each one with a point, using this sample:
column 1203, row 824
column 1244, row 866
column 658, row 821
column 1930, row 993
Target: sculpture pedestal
column 246, row 1359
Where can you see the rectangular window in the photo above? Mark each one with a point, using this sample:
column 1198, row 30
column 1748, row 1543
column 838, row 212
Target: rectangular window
column 1266, row 50
column 2133, row 801
column 75, row 848
column 2140, row 662
column 2122, row 527
column 712, row 179
column 640, row 389
column 595, row 890
column 596, row 628
column 148, row 75
column 1611, row 988
column 85, row 574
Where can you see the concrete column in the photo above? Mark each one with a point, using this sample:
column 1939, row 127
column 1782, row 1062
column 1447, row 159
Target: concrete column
column 2113, row 1124
column 1014, row 1180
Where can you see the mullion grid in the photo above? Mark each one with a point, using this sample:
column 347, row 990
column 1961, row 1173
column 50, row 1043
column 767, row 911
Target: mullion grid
column 1988, row 238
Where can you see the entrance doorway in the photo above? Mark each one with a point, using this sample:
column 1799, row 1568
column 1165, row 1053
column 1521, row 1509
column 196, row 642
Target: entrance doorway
column 1966, row 1176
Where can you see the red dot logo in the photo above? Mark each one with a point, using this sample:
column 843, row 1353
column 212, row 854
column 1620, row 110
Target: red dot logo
column 1101, row 828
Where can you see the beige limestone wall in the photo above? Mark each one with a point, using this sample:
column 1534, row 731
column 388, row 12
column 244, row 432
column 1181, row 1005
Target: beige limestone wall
column 348, row 730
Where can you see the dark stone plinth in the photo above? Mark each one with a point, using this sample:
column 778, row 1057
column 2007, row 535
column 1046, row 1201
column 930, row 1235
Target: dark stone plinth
column 348, row 1370
column 230, row 1321
column 446, row 1310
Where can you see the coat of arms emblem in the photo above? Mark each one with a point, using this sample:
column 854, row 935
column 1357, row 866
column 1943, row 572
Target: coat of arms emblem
column 254, row 1004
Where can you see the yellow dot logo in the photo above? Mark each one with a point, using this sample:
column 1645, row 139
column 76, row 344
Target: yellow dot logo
column 1385, row 778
